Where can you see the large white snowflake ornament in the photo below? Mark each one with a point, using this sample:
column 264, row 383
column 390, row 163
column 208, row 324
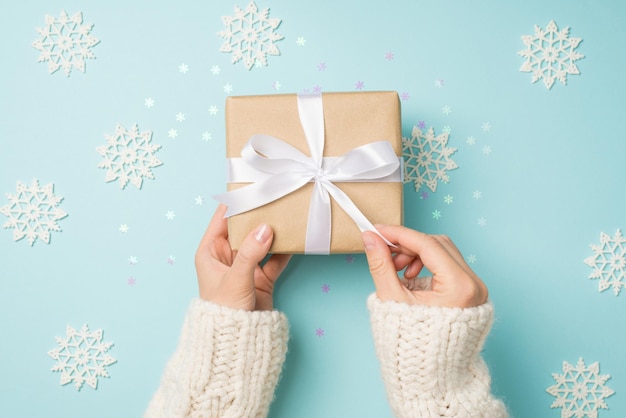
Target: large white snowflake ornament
column 33, row 212
column 609, row 262
column 81, row 357
column 65, row 43
column 550, row 54
column 427, row 158
column 129, row 156
column 580, row 391
column 250, row 35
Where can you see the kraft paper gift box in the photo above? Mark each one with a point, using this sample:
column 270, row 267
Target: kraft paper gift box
column 350, row 120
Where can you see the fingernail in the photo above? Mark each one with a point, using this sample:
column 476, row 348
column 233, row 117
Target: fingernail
column 263, row 233
column 368, row 241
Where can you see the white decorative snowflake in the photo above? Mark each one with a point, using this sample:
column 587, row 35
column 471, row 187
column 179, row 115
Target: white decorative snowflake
column 129, row 156
column 65, row 43
column 81, row 357
column 427, row 158
column 609, row 262
column 33, row 212
column 580, row 390
column 250, row 35
column 550, row 54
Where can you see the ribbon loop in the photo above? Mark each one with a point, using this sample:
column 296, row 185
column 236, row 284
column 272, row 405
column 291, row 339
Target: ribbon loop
column 283, row 169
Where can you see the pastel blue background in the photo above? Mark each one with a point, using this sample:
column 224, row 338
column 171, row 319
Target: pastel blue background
column 553, row 181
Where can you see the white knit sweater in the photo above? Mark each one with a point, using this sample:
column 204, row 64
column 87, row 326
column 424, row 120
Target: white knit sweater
column 228, row 362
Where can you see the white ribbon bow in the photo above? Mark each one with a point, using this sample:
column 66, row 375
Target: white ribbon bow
column 276, row 169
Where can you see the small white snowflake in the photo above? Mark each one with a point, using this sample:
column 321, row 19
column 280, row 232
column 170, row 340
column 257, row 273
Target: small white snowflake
column 427, row 158
column 213, row 110
column 33, row 212
column 129, row 156
column 486, row 127
column 250, row 35
column 123, row 228
column 486, row 150
column 172, row 133
column 199, row 200
column 206, row 136
column 609, row 262
column 228, row 88
column 183, row 68
column 471, row 140
column 301, row 41
column 149, row 102
column 276, row 85
column 448, row 199
column 215, row 70
column 132, row 260
column 477, row 194
column 446, row 110
column 550, row 54
column 170, row 215
column 439, row 82
column 65, row 43
column 180, row 117
column 446, row 129
column 482, row 222
column 471, row 258
column 81, row 357
column 580, row 391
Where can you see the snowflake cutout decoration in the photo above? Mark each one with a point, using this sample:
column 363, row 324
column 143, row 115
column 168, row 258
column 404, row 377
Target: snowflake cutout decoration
column 129, row 156
column 250, row 36
column 81, row 357
column 550, row 54
column 427, row 158
column 65, row 43
column 580, row 391
column 33, row 212
column 609, row 262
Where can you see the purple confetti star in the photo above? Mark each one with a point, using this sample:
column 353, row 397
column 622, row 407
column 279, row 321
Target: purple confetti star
column 421, row 124
column 389, row 56
column 317, row 89
column 321, row 66
column 132, row 281
column 424, row 195
column 359, row 85
column 325, row 288
column 405, row 96
column 350, row 259
column 439, row 82
column 319, row 332
column 171, row 260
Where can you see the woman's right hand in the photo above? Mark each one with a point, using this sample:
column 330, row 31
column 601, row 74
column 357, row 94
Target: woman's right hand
column 453, row 284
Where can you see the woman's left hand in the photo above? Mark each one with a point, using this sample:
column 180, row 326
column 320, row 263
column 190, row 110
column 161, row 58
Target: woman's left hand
column 236, row 278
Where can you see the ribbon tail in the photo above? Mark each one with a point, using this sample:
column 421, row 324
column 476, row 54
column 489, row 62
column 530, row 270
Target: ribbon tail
column 260, row 193
column 353, row 211
column 318, row 229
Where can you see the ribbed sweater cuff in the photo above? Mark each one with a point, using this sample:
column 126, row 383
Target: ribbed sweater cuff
column 430, row 357
column 227, row 364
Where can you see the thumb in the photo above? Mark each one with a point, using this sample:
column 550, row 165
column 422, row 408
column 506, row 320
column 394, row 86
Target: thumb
column 251, row 252
column 381, row 266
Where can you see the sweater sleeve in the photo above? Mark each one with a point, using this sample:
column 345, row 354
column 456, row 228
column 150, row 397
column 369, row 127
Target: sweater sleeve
column 430, row 359
column 227, row 364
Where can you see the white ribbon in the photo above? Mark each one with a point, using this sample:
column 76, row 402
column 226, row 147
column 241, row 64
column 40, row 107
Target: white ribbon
column 285, row 169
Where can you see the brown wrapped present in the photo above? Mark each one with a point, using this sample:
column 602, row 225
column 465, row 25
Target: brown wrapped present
column 287, row 180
